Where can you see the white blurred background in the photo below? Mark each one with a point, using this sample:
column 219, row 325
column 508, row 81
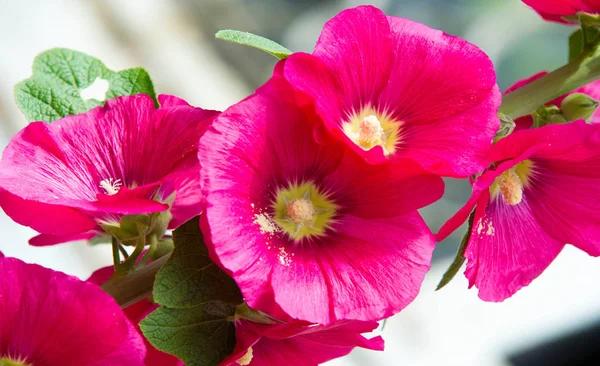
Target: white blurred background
column 174, row 41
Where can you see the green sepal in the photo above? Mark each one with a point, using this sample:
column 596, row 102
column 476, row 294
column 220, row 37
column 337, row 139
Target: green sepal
column 459, row 259
column 253, row 40
column 200, row 336
column 189, row 277
column 58, row 77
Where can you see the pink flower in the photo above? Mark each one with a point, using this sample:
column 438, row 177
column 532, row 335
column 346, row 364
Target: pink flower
column 135, row 313
column 558, row 10
column 49, row 318
column 392, row 88
column 310, row 227
column 64, row 179
column 298, row 343
column 592, row 89
column 540, row 195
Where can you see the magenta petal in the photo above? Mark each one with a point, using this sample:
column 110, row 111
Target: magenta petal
column 558, row 7
column 84, row 325
column 356, row 45
column 46, row 218
column 43, row 240
column 508, row 249
column 356, row 286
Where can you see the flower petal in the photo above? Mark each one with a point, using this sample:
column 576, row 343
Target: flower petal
column 508, row 249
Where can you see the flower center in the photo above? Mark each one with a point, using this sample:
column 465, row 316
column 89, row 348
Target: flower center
column 302, row 210
column 370, row 131
column 9, row 361
column 510, row 184
column 246, row 358
column 511, row 187
column 111, row 186
column 369, row 128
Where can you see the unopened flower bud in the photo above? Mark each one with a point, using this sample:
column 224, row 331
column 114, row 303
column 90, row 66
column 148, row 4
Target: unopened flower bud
column 548, row 115
column 578, row 106
column 507, row 126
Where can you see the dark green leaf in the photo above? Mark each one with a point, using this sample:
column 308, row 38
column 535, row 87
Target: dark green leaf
column 459, row 259
column 59, row 75
column 189, row 277
column 252, row 40
column 199, row 336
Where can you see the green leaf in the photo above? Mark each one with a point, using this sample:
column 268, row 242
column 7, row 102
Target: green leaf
column 252, row 40
column 199, row 336
column 190, row 278
column 460, row 257
column 575, row 45
column 58, row 77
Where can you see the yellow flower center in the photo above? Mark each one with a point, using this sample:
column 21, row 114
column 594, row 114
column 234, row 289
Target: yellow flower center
column 302, row 210
column 9, row 361
column 246, row 358
column 510, row 183
column 369, row 128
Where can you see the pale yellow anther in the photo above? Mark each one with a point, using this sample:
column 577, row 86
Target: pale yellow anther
column 246, row 359
column 511, row 187
column 301, row 211
column 370, row 131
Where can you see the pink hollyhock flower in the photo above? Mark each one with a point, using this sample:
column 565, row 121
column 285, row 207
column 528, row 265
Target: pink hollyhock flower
column 52, row 319
column 65, row 178
column 298, row 343
column 561, row 10
column 592, row 89
column 542, row 194
column 135, row 313
column 292, row 219
column 393, row 88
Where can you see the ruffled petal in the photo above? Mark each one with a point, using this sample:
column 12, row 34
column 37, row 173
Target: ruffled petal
column 356, row 286
column 508, row 249
column 98, row 333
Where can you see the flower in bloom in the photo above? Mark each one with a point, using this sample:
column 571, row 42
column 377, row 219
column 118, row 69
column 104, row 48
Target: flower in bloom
column 592, row 89
column 298, row 343
column 50, row 318
column 393, row 88
column 563, row 11
column 289, row 218
column 540, row 195
column 135, row 313
column 67, row 178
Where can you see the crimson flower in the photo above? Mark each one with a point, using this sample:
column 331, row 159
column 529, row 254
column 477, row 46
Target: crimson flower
column 542, row 193
column 67, row 178
column 50, row 318
column 392, row 88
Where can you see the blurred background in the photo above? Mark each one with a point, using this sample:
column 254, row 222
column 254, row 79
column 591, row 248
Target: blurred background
column 174, row 41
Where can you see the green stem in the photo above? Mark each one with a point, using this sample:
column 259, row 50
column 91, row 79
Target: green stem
column 139, row 248
column 573, row 75
column 151, row 249
column 123, row 252
column 115, row 251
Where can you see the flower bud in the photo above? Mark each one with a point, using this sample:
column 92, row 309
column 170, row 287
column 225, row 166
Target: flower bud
column 578, row 106
column 507, row 126
column 548, row 115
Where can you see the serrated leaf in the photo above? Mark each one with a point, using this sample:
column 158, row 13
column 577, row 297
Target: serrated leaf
column 199, row 336
column 189, row 277
column 253, row 40
column 58, row 77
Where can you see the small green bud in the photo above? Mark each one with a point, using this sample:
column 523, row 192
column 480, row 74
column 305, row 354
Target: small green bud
column 548, row 115
column 507, row 126
column 578, row 106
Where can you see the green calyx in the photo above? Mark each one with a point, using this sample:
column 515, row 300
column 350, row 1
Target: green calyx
column 548, row 115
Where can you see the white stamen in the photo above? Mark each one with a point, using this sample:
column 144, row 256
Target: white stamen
column 370, row 131
column 111, row 186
